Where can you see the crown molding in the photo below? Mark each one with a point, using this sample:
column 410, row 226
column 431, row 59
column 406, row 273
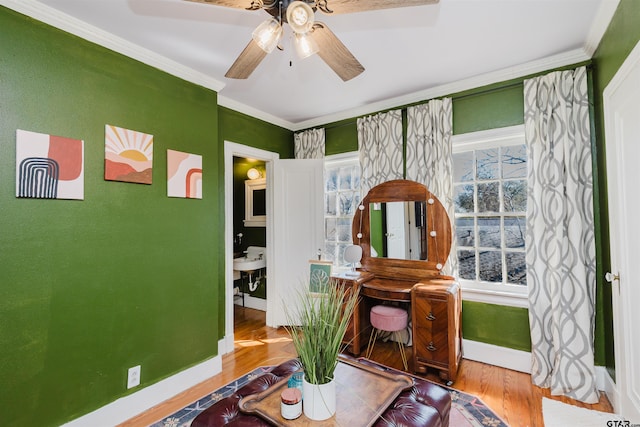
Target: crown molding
column 62, row 21
column 600, row 24
column 254, row 112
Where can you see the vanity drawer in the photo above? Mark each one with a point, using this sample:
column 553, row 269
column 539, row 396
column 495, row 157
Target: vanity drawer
column 436, row 327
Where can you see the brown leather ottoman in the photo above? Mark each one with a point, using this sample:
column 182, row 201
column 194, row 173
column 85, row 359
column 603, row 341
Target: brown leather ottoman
column 425, row 404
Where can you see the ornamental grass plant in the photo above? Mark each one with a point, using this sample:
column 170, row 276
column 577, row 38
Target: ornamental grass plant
column 323, row 320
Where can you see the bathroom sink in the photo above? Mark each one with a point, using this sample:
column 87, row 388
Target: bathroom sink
column 244, row 264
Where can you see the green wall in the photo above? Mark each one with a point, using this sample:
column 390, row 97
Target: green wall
column 620, row 38
column 125, row 277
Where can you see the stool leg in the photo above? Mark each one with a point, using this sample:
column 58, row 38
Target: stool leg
column 372, row 340
column 403, row 355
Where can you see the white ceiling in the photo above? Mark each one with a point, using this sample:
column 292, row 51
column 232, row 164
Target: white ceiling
column 409, row 54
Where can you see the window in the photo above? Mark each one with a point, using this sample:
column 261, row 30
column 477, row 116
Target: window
column 341, row 199
column 490, row 199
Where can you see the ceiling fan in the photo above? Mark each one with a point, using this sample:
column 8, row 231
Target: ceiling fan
column 310, row 36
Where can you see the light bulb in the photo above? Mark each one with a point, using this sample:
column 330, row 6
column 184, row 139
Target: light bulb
column 268, row 34
column 300, row 17
column 305, row 45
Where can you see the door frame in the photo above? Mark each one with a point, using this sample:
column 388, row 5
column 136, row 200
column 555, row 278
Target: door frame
column 231, row 150
column 630, row 64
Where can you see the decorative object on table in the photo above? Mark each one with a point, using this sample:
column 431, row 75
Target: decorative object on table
column 323, row 320
column 184, row 175
column 290, row 403
column 353, row 255
column 319, row 276
column 219, row 407
column 128, row 155
column 49, row 167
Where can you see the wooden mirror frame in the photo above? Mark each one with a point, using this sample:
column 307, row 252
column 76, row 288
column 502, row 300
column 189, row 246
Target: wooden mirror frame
column 438, row 246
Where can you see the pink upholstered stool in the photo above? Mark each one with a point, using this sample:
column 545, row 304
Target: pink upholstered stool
column 389, row 319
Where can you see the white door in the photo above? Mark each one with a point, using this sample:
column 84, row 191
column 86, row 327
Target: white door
column 298, row 232
column 396, row 232
column 622, row 127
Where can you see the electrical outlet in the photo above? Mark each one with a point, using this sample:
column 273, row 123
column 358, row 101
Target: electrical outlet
column 133, row 377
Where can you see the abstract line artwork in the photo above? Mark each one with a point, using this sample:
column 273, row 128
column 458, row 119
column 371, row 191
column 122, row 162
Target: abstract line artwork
column 49, row 167
column 184, row 175
column 128, row 155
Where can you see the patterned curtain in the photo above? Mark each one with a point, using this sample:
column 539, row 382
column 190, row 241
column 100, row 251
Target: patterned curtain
column 560, row 234
column 429, row 160
column 380, row 149
column 309, row 144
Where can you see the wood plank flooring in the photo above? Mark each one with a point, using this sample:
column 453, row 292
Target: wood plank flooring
column 508, row 393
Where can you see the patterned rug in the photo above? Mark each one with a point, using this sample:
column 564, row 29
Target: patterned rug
column 466, row 409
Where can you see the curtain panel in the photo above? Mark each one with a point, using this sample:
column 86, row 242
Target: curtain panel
column 429, row 160
column 380, row 149
column 309, row 144
column 560, row 252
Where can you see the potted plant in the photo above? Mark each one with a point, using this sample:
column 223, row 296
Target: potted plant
column 323, row 319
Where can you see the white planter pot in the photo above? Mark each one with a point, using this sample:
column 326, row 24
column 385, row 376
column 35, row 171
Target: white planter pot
column 319, row 401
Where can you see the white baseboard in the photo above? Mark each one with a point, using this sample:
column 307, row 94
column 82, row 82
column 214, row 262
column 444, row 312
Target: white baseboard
column 608, row 386
column 129, row 406
column 253, row 302
column 509, row 358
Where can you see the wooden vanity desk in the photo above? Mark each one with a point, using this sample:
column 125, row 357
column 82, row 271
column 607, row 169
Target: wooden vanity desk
column 405, row 270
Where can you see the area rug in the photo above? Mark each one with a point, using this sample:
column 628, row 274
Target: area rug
column 466, row 409
column 560, row 414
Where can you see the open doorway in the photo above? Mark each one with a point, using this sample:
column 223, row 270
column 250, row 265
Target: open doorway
column 240, row 285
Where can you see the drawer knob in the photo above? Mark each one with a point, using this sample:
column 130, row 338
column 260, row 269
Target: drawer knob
column 430, row 316
column 431, row 347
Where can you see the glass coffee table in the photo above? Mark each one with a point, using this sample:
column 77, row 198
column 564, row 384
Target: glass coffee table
column 363, row 393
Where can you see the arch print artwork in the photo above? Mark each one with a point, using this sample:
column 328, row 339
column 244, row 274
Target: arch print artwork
column 128, row 155
column 184, row 175
column 49, row 167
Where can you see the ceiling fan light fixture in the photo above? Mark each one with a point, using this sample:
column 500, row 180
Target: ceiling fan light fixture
column 305, row 45
column 268, row 34
column 300, row 17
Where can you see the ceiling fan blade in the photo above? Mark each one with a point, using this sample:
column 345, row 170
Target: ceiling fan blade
column 246, row 62
column 350, row 6
column 335, row 54
column 238, row 4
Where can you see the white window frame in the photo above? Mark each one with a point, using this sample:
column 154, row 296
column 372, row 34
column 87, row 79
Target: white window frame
column 475, row 290
column 336, row 160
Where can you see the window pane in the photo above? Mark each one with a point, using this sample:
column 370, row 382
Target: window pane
column 463, row 198
column 330, row 230
column 514, row 231
column 344, row 229
column 489, row 232
column 487, row 164
column 514, row 162
column 467, row 264
column 347, row 202
column 515, row 196
column 516, row 268
column 463, row 167
column 331, row 180
column 491, row 266
column 489, row 197
column 330, row 204
column 465, row 232
column 330, row 250
column 346, row 178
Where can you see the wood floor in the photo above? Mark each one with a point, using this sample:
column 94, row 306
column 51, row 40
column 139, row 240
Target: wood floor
column 508, row 393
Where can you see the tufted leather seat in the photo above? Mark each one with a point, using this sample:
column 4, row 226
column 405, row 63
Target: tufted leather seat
column 425, row 404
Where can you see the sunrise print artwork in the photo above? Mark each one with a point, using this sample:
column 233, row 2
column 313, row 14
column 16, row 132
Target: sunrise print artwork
column 49, row 167
column 128, row 155
column 184, row 175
